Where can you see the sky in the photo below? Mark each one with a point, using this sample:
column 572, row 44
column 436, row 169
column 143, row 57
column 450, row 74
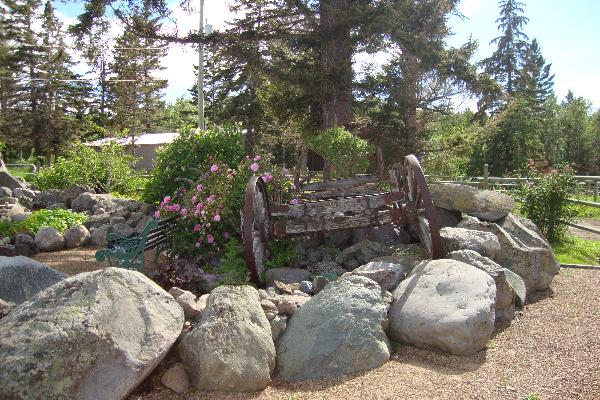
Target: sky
column 567, row 31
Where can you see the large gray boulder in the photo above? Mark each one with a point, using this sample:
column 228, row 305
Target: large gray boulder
column 9, row 181
column 522, row 250
column 76, row 236
column 21, row 278
column 73, row 191
column 505, row 294
column 485, row 204
column 48, row 198
column 484, row 243
column 25, row 196
column 339, row 331
column 446, row 305
column 387, row 274
column 90, row 202
column 49, row 239
column 98, row 236
column 230, row 349
column 95, row 335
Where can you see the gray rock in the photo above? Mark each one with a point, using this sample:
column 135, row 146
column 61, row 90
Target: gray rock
column 9, row 181
column 485, row 204
column 97, row 220
column 484, row 243
column 306, row 287
column 339, row 331
column 522, row 251
column 446, row 305
column 5, row 192
column 117, row 220
column 90, row 202
column 505, row 295
column 122, row 229
column 21, row 278
column 361, row 253
column 319, row 283
column 8, row 200
column 176, row 379
column 73, row 191
column 286, row 275
column 95, row 335
column 327, row 268
column 49, row 239
column 446, row 218
column 518, row 286
column 387, row 275
column 339, row 238
column 98, row 236
column 278, row 325
column 47, row 198
column 20, row 216
column 25, row 196
column 6, row 307
column 231, row 348
column 76, row 236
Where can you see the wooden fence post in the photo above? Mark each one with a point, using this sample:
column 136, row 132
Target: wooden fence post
column 486, row 175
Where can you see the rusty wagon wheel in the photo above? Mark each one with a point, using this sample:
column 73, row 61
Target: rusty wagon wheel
column 420, row 207
column 256, row 228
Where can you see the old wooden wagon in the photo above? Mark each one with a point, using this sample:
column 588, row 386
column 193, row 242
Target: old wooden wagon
column 340, row 204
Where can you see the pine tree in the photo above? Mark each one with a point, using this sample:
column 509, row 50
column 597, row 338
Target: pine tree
column 135, row 94
column 574, row 126
column 505, row 61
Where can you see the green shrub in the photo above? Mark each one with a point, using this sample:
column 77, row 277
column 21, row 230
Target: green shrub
column 234, row 266
column 107, row 170
column 283, row 254
column 188, row 157
column 347, row 153
column 544, row 200
column 59, row 219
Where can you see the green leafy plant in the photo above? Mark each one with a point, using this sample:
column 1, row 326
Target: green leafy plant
column 189, row 156
column 283, row 254
column 58, row 219
column 108, row 170
column 234, row 267
column 544, row 200
column 347, row 153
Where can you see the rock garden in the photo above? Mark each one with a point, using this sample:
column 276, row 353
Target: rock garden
column 341, row 306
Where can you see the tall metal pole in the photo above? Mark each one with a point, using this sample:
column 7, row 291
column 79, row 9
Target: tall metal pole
column 201, row 70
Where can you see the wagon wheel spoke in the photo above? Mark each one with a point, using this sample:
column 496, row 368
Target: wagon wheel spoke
column 424, row 216
column 256, row 225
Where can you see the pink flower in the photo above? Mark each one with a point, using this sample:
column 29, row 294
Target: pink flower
column 156, row 214
column 199, row 207
column 214, row 168
column 197, row 227
column 184, row 212
column 197, row 244
column 254, row 167
column 194, row 199
column 294, row 202
column 210, row 238
column 200, row 187
column 175, row 207
column 217, row 218
column 211, row 198
column 267, row 177
column 226, row 235
column 257, row 158
column 167, row 199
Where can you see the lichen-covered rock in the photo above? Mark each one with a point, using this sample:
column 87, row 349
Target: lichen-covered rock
column 21, row 278
column 339, row 331
column 47, row 198
column 5, row 192
column 91, row 202
column 485, row 204
column 387, row 274
column 286, row 275
column 76, row 236
column 95, row 335
column 446, row 305
column 98, row 235
column 522, row 250
column 361, row 253
column 505, row 295
column 176, row 379
column 484, row 243
column 231, row 348
column 49, row 239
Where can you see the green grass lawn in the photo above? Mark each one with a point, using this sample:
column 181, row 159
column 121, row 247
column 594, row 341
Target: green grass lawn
column 22, row 172
column 573, row 250
column 586, row 211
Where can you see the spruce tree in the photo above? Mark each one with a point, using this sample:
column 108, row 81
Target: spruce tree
column 505, row 61
column 534, row 80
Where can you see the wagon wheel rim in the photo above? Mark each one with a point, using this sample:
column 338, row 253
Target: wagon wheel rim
column 256, row 228
column 421, row 206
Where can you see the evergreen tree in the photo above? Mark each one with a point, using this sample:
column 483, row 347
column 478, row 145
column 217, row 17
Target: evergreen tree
column 135, row 94
column 505, row 61
column 534, row 81
column 574, row 126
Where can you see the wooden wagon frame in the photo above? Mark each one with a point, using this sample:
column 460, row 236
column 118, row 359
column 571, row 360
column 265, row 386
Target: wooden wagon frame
column 340, row 204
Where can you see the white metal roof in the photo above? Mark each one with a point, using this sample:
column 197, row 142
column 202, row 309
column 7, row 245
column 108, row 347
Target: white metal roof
column 146, row 138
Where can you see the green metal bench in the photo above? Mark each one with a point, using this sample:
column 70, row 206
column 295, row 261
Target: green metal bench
column 128, row 252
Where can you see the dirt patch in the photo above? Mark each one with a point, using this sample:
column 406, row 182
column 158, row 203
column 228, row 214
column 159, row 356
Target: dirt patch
column 552, row 348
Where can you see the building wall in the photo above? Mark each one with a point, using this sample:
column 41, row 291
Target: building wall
column 147, row 155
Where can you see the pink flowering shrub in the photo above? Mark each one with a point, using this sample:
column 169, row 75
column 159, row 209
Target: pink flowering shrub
column 208, row 210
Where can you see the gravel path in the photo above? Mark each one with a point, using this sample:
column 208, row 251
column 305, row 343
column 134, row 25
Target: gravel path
column 552, row 348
